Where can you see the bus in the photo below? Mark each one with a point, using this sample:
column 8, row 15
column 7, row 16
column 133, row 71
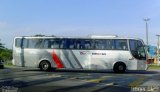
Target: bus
column 89, row 53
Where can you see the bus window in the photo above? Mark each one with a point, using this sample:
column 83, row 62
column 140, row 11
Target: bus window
column 34, row 43
column 110, row 45
column 80, row 44
column 25, row 43
column 100, row 44
column 45, row 45
column 134, row 48
column 70, row 43
column 83, row 44
column 139, row 43
column 87, row 44
column 52, row 43
column 121, row 45
column 137, row 49
column 63, row 44
column 18, row 42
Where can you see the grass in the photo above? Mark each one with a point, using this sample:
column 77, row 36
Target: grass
column 154, row 66
column 8, row 63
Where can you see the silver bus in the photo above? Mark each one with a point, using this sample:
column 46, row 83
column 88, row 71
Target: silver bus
column 92, row 52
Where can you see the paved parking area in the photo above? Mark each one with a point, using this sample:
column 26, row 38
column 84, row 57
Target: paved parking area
column 34, row 80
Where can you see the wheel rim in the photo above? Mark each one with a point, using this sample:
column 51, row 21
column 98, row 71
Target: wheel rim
column 44, row 66
column 121, row 67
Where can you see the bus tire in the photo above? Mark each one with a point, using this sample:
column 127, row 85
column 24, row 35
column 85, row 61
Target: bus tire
column 119, row 67
column 45, row 66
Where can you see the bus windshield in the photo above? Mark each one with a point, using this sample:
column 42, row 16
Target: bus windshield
column 137, row 49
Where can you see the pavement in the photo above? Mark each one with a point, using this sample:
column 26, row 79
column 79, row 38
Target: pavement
column 18, row 79
column 152, row 84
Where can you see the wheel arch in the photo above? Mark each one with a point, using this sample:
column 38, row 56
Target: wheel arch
column 42, row 60
column 119, row 62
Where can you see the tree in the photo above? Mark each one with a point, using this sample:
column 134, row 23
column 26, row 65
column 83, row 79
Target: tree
column 5, row 53
column 1, row 49
column 1, row 46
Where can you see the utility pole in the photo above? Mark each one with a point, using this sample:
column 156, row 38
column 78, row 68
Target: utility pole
column 146, row 21
column 158, row 41
column 158, row 50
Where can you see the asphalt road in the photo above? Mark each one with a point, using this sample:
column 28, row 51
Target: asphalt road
column 33, row 80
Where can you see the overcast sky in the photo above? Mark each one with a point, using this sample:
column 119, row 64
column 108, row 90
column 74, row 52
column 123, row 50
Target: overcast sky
column 78, row 18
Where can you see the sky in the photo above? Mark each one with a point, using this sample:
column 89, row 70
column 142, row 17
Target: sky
column 79, row 18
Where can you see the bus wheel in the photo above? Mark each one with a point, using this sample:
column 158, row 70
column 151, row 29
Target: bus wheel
column 45, row 66
column 119, row 67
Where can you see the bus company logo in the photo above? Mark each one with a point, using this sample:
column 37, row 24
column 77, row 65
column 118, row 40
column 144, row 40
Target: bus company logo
column 83, row 52
column 98, row 53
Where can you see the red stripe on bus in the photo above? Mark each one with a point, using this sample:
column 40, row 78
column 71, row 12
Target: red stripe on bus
column 57, row 60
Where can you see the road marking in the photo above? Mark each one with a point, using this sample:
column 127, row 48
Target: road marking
column 96, row 87
column 30, row 80
column 110, row 84
column 138, row 82
column 53, row 75
column 99, row 80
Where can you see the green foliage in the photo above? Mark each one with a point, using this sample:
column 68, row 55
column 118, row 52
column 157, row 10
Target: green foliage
column 5, row 54
column 1, row 46
column 154, row 66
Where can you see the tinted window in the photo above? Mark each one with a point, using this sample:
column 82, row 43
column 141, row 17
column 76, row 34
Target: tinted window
column 34, row 43
column 110, row 45
column 100, row 44
column 139, row 43
column 134, row 44
column 84, row 44
column 25, row 43
column 134, row 47
column 88, row 44
column 18, row 42
column 63, row 44
column 52, row 43
column 79, row 44
column 70, row 43
column 121, row 45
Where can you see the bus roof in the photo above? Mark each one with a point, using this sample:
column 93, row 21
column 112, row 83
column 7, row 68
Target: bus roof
column 87, row 37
